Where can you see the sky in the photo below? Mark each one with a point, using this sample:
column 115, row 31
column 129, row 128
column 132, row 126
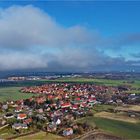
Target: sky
column 79, row 36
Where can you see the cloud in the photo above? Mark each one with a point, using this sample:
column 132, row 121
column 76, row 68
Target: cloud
column 33, row 39
column 29, row 26
column 21, row 61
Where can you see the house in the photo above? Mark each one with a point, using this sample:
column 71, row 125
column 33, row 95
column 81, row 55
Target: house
column 83, row 105
column 65, row 105
column 28, row 121
column 68, row 132
column 4, row 107
column 57, row 121
column 21, row 116
column 51, row 127
column 41, row 117
column 18, row 126
column 18, row 109
column 40, row 110
column 119, row 101
column 69, row 117
column 74, row 107
column 40, row 100
column 9, row 116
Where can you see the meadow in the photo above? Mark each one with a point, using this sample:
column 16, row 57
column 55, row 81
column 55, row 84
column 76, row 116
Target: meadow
column 107, row 82
column 115, row 127
column 13, row 93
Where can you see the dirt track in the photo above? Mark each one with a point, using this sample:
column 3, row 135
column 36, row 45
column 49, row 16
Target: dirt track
column 99, row 136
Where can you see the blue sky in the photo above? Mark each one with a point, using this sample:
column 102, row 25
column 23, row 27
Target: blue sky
column 76, row 35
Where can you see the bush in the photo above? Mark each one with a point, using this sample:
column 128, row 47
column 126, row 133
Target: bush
column 79, row 130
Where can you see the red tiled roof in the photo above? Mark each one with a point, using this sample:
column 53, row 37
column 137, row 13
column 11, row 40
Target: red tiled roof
column 74, row 107
column 65, row 105
column 22, row 115
column 27, row 121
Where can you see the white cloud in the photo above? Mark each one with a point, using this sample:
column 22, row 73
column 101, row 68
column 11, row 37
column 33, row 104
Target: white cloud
column 24, row 28
column 21, row 61
column 28, row 33
column 29, row 26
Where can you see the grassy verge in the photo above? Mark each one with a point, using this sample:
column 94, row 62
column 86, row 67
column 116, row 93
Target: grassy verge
column 41, row 136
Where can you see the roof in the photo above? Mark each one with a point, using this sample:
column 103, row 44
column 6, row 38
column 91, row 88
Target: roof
column 27, row 121
column 74, row 107
column 22, row 116
column 65, row 105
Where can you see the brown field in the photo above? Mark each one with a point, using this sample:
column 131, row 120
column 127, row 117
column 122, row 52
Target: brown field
column 114, row 116
column 135, row 108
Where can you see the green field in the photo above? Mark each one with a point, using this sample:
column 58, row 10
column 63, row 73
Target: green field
column 106, row 82
column 12, row 93
column 133, row 91
column 117, row 128
column 11, row 90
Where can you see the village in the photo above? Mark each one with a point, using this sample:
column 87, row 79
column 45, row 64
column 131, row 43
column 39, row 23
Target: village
column 56, row 107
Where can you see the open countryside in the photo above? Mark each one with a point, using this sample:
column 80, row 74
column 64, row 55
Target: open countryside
column 108, row 118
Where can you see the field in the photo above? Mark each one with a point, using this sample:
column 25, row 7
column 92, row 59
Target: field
column 135, row 108
column 106, row 82
column 12, row 93
column 41, row 136
column 115, row 127
column 116, row 116
column 11, row 90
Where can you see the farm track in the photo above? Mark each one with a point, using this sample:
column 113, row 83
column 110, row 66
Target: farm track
column 97, row 135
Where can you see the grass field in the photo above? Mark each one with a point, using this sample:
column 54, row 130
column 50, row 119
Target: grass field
column 12, row 93
column 107, row 82
column 117, row 128
column 88, row 80
column 133, row 91
column 41, row 136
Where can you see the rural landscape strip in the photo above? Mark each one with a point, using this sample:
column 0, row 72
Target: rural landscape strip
column 86, row 104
